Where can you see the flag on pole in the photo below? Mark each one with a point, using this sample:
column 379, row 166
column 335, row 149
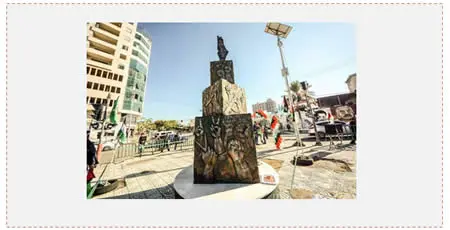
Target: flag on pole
column 113, row 115
column 261, row 113
column 274, row 122
column 278, row 140
column 121, row 135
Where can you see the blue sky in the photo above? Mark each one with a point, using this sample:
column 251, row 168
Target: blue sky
column 324, row 54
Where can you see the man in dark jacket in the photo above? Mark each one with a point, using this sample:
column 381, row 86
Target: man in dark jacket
column 142, row 140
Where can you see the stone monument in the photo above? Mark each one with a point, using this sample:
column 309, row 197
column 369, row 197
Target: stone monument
column 224, row 149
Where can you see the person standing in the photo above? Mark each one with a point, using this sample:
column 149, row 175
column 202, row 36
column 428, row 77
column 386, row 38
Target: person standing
column 353, row 128
column 91, row 160
column 255, row 132
column 142, row 140
column 176, row 140
column 266, row 134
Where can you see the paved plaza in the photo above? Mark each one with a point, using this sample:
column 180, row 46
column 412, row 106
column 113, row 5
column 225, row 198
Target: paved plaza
column 332, row 176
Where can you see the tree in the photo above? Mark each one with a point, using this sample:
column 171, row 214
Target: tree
column 159, row 125
column 170, row 124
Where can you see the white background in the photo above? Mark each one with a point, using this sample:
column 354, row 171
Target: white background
column 399, row 86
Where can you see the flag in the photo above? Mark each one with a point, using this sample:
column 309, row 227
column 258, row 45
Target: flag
column 274, row 122
column 113, row 115
column 261, row 113
column 121, row 135
column 278, row 140
column 331, row 118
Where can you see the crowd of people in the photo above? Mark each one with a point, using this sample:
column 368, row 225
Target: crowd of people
column 162, row 142
column 261, row 132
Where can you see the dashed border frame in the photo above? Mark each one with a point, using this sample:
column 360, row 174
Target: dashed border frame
column 224, row 3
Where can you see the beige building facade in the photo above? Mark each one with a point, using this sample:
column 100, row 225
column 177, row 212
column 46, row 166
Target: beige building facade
column 117, row 65
column 268, row 106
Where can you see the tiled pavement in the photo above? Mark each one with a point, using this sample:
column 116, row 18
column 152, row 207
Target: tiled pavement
column 152, row 176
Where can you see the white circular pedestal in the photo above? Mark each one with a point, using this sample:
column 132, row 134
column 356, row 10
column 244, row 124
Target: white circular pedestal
column 185, row 187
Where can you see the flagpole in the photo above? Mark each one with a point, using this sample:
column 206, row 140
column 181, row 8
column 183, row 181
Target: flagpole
column 102, row 133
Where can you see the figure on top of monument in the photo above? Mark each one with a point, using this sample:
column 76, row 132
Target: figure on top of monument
column 222, row 52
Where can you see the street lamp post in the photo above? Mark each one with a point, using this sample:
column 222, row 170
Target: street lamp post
column 282, row 31
column 102, row 133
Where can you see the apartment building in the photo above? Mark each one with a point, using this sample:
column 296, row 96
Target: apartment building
column 268, row 106
column 117, row 64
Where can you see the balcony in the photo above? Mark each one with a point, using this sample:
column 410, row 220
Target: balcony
column 111, row 27
column 99, row 42
column 118, row 24
column 143, row 45
column 105, row 35
column 94, row 62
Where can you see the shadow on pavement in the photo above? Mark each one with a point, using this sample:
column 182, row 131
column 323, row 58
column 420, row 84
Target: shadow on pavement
column 165, row 192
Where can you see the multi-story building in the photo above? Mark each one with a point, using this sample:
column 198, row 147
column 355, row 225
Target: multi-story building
column 117, row 65
column 268, row 106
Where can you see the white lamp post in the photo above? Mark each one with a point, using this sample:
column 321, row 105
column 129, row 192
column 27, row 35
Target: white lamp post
column 282, row 31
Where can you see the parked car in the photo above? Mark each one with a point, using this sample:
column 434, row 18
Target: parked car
column 163, row 134
column 108, row 145
column 320, row 125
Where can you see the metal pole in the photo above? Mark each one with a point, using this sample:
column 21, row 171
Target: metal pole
column 285, row 75
column 102, row 133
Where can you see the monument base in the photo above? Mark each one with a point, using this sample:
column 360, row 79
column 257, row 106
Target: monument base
column 186, row 189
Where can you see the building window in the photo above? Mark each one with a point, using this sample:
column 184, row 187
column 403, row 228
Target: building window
column 110, row 76
column 110, row 103
column 122, row 56
column 107, row 88
column 98, row 101
column 115, row 77
column 104, row 102
column 87, row 72
column 99, row 73
column 87, row 100
column 105, row 74
column 126, row 38
column 124, row 47
column 92, row 100
column 120, row 77
column 93, row 71
column 118, row 90
column 128, row 30
column 137, row 86
column 113, row 89
column 89, row 85
column 121, row 67
column 136, row 96
column 102, row 87
column 95, row 86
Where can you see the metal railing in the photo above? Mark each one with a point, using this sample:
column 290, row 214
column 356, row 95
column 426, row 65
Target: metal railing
column 130, row 150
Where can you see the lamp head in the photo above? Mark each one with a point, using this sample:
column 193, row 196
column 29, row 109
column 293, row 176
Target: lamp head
column 278, row 29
